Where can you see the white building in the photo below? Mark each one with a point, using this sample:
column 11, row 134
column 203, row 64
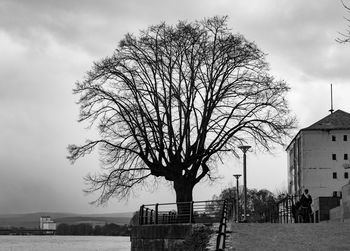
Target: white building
column 47, row 224
column 319, row 157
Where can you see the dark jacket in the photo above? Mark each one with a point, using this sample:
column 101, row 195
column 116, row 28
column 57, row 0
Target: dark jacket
column 305, row 201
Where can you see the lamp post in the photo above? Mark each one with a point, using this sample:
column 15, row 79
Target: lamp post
column 237, row 195
column 244, row 150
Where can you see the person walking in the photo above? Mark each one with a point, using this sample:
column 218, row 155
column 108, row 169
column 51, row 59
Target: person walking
column 305, row 202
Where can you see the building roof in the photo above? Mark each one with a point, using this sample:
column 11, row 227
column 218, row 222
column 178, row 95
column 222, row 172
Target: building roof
column 338, row 120
column 335, row 121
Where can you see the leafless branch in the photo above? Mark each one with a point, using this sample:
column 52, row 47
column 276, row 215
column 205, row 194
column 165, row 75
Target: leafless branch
column 169, row 102
column 344, row 36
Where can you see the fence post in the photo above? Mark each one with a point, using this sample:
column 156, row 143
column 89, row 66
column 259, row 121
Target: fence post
column 272, row 213
column 151, row 216
column 287, row 207
column 191, row 211
column 141, row 215
column 284, row 210
column 276, row 215
column 156, row 214
column 146, row 216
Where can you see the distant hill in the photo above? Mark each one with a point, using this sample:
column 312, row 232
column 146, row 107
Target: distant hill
column 93, row 220
column 31, row 220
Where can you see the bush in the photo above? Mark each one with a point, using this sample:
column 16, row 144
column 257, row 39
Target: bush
column 87, row 229
column 198, row 239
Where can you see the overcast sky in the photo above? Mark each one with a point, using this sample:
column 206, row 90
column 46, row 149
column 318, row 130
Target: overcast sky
column 47, row 45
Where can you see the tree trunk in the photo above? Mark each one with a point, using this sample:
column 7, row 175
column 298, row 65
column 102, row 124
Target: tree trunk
column 183, row 189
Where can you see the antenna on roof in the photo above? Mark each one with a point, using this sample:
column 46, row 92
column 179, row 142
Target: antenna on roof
column 331, row 110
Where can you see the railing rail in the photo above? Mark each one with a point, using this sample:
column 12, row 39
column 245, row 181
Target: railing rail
column 283, row 210
column 220, row 241
column 183, row 212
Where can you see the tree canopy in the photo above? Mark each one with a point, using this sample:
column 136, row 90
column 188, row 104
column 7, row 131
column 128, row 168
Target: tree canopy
column 258, row 201
column 172, row 100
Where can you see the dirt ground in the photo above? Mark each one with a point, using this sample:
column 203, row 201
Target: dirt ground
column 266, row 236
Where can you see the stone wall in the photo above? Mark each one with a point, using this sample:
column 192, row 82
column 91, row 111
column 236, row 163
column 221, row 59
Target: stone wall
column 159, row 237
column 322, row 207
column 342, row 213
column 346, row 202
column 335, row 214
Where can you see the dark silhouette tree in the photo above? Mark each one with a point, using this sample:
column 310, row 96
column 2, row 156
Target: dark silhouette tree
column 258, row 201
column 134, row 221
column 172, row 101
column 63, row 229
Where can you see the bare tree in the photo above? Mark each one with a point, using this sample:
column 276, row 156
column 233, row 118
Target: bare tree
column 345, row 36
column 171, row 101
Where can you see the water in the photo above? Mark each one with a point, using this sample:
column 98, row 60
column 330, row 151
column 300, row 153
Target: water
column 63, row 243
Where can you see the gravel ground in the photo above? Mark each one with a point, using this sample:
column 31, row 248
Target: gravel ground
column 265, row 236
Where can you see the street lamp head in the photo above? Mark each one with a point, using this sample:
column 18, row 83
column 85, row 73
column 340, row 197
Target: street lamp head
column 237, row 176
column 244, row 148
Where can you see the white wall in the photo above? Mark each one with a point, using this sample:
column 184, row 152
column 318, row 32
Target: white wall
column 49, row 226
column 317, row 163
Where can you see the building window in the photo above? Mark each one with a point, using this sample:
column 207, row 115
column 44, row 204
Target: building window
column 334, row 156
column 346, row 175
column 345, row 137
column 345, row 156
column 333, row 138
column 334, row 175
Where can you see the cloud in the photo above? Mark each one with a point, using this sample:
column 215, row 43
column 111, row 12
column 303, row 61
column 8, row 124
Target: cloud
column 299, row 36
column 46, row 46
column 91, row 25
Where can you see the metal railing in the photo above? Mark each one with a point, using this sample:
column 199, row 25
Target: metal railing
column 220, row 241
column 182, row 212
column 283, row 210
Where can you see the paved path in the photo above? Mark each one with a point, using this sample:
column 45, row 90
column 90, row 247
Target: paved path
column 294, row 237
